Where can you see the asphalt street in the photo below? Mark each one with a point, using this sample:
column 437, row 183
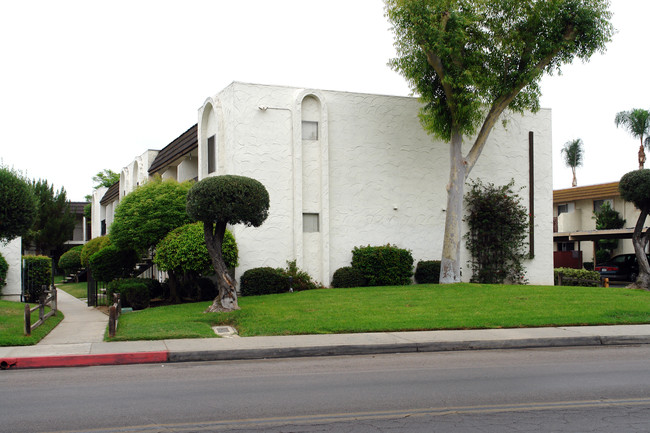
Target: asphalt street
column 600, row 389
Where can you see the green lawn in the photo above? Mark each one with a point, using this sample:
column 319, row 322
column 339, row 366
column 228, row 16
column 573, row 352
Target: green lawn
column 78, row 290
column 12, row 324
column 402, row 308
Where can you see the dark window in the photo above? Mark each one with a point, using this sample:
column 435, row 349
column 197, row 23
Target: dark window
column 212, row 155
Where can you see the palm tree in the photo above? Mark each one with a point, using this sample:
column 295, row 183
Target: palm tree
column 637, row 123
column 573, row 156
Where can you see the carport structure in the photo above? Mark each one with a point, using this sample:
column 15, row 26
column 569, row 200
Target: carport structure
column 594, row 236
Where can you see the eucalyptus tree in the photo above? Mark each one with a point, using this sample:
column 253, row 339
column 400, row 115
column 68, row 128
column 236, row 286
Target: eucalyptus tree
column 573, row 153
column 637, row 123
column 218, row 201
column 470, row 60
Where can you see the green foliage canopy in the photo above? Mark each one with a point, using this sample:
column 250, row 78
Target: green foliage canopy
column 228, row 199
column 17, row 205
column 92, row 246
column 106, row 178
column 183, row 250
column 54, row 222
column 635, row 187
column 145, row 216
column 463, row 56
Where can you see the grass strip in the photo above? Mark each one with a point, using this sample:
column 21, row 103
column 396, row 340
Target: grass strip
column 12, row 324
column 401, row 308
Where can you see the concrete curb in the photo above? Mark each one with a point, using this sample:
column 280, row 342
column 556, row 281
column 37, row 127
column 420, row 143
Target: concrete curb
column 312, row 350
column 83, row 360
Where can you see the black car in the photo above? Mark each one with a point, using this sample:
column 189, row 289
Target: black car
column 623, row 267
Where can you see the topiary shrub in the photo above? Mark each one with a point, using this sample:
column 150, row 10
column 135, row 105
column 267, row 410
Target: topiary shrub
column 427, row 272
column 37, row 276
column 137, row 295
column 384, row 265
column 4, row 268
column 111, row 263
column 263, row 281
column 581, row 277
column 348, row 276
column 91, row 247
column 70, row 261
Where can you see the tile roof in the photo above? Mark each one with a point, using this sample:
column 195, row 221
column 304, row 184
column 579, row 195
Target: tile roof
column 111, row 194
column 591, row 192
column 181, row 146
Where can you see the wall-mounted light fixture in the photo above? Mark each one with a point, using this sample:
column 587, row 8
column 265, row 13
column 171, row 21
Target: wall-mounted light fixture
column 266, row 107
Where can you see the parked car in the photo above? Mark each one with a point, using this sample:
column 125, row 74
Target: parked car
column 623, row 267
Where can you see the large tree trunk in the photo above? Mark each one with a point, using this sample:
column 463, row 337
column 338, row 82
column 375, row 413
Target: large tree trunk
column 226, row 300
column 173, row 287
column 450, row 263
column 639, row 240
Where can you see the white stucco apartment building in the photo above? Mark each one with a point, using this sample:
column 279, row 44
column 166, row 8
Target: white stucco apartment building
column 348, row 169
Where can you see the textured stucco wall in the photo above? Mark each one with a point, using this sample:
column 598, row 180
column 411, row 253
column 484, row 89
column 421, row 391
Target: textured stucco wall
column 11, row 253
column 385, row 176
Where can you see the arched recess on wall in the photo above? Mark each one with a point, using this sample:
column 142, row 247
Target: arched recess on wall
column 311, row 184
column 211, row 146
column 135, row 173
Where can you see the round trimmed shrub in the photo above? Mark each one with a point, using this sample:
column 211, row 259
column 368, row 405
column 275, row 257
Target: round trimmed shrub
column 427, row 272
column 348, row 276
column 111, row 263
column 263, row 281
column 91, row 247
column 70, row 261
column 137, row 295
column 384, row 265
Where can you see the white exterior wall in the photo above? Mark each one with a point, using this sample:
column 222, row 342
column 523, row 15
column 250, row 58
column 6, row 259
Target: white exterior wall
column 97, row 212
column 188, row 168
column 12, row 254
column 580, row 218
column 374, row 175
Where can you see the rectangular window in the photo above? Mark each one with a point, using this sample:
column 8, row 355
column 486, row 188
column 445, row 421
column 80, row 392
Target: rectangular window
column 309, row 130
column 562, row 208
column 310, row 223
column 212, row 155
column 599, row 203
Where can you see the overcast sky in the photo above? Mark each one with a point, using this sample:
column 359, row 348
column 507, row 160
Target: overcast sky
column 88, row 85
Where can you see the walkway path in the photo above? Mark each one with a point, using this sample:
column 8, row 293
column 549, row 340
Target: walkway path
column 82, row 324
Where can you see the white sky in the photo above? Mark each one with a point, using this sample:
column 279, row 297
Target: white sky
column 88, row 85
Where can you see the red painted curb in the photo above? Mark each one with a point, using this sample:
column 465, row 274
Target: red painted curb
column 84, row 360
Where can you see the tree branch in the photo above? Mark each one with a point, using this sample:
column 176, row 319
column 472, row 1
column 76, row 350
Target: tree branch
column 501, row 103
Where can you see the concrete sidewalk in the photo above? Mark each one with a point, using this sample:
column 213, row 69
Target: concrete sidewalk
column 78, row 341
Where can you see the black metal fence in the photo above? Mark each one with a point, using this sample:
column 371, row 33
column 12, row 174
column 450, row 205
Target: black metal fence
column 96, row 291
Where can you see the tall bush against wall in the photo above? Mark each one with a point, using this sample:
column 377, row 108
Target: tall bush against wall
column 498, row 226
column 4, row 268
column 384, row 265
column 37, row 275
